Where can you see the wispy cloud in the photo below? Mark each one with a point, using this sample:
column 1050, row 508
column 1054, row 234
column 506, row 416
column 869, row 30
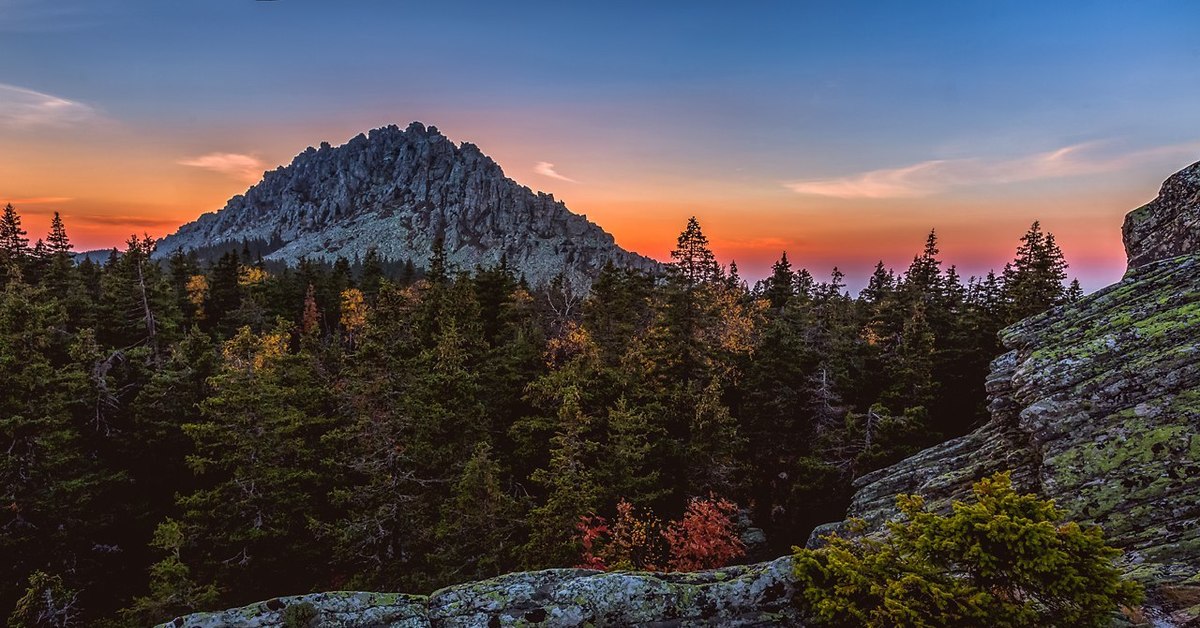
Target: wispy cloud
column 546, row 169
column 22, row 108
column 140, row 222
column 932, row 177
column 36, row 200
column 245, row 167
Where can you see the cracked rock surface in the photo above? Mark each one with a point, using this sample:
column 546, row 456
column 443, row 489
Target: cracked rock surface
column 748, row 595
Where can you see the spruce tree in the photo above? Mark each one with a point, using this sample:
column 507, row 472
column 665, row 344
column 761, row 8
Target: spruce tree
column 1033, row 282
column 57, row 242
column 693, row 262
column 781, row 285
column 13, row 243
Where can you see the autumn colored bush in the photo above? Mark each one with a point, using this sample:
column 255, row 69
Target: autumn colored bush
column 704, row 538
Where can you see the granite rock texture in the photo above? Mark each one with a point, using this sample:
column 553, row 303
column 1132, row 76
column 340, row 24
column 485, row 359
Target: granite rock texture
column 1169, row 225
column 750, row 595
column 397, row 190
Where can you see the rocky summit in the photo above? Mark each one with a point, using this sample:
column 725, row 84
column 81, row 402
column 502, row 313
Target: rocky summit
column 397, row 190
column 1096, row 405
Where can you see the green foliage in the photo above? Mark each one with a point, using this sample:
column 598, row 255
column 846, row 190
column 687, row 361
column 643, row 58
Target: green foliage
column 1034, row 281
column 173, row 590
column 210, row 429
column 47, row 603
column 1004, row 559
column 302, row 615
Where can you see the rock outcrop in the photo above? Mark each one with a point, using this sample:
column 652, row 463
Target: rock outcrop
column 1096, row 405
column 752, row 595
column 397, row 190
column 1167, row 226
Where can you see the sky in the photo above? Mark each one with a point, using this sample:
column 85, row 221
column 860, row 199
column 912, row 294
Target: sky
column 841, row 132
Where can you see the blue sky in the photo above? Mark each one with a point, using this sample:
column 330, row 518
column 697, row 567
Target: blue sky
column 841, row 131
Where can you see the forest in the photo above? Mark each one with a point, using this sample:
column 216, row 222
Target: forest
column 192, row 434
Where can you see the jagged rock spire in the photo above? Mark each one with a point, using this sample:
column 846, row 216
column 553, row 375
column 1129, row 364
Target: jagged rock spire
column 397, row 190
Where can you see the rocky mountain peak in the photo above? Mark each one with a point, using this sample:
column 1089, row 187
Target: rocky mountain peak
column 397, row 190
column 1167, row 226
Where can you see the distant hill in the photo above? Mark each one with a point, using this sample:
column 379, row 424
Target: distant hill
column 96, row 256
column 397, row 191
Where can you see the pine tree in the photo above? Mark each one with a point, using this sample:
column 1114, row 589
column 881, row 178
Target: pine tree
column 781, row 285
column 258, row 455
column 13, row 243
column 57, row 242
column 372, row 274
column 571, row 488
column 477, row 533
column 693, row 262
column 1033, row 282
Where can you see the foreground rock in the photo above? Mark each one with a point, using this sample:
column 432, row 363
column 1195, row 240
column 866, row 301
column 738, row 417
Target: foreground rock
column 396, row 191
column 752, row 595
column 1169, row 225
column 1097, row 406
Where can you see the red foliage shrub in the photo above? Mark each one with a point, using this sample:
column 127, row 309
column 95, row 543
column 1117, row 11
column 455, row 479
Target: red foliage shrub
column 592, row 531
column 705, row 538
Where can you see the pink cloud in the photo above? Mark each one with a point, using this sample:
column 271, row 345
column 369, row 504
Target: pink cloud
column 245, row 167
column 932, row 177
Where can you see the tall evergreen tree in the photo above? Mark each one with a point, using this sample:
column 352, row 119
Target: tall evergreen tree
column 57, row 242
column 693, row 261
column 1033, row 282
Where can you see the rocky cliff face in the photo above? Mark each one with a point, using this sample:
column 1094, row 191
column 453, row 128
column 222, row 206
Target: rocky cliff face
column 397, row 190
column 754, row 595
column 1167, row 226
column 1097, row 405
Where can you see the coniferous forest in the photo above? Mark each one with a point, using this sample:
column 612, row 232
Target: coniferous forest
column 192, row 433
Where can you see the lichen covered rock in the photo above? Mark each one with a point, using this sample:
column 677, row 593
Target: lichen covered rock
column 749, row 595
column 1096, row 405
column 1169, row 225
column 336, row 609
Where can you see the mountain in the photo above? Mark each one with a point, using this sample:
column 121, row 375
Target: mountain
column 397, row 191
column 1096, row 404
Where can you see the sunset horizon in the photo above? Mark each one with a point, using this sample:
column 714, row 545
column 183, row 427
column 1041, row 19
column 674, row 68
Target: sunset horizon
column 841, row 142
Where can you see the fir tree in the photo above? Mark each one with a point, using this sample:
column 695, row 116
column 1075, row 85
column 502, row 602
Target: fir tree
column 57, row 242
column 693, row 261
column 1033, row 282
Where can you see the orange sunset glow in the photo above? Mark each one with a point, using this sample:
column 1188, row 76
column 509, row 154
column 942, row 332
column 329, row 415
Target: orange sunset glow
column 806, row 150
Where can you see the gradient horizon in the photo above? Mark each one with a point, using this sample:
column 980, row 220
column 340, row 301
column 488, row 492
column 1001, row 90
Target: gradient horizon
column 839, row 132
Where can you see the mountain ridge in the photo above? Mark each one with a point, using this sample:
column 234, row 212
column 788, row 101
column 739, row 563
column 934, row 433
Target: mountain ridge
column 398, row 191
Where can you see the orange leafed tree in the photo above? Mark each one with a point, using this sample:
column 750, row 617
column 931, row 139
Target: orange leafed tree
column 705, row 538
